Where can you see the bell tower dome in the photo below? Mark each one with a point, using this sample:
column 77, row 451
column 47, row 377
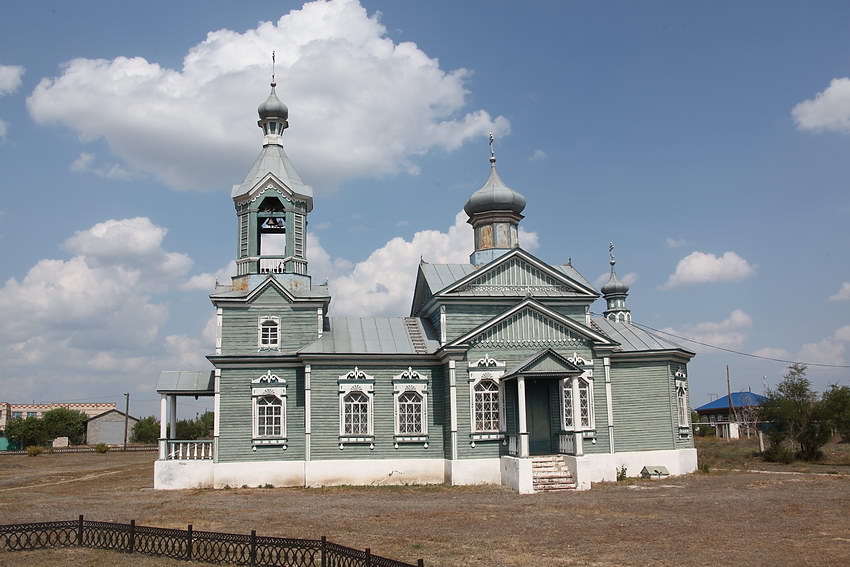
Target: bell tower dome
column 615, row 293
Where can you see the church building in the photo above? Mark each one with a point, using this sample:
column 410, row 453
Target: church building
column 498, row 375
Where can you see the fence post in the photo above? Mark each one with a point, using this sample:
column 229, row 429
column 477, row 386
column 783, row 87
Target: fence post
column 253, row 557
column 189, row 543
column 324, row 550
column 80, row 531
column 368, row 557
column 132, row 543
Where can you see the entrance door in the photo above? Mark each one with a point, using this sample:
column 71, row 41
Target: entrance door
column 537, row 411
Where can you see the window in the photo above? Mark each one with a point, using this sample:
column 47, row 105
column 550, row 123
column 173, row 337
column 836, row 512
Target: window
column 268, row 333
column 410, row 390
column 577, row 403
column 680, row 384
column 355, row 414
column 486, row 406
column 32, row 414
column 410, row 411
column 17, row 415
column 268, row 394
column 356, row 391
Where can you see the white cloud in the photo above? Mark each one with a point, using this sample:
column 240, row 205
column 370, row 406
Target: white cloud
column 828, row 111
column 843, row 293
column 84, row 164
column 372, row 109
column 675, row 242
column 829, row 350
column 206, row 281
column 699, row 268
column 769, row 352
column 727, row 333
column 10, row 78
column 538, row 155
column 382, row 284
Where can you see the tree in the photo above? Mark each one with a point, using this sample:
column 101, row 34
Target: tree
column 837, row 407
column 26, row 432
column 146, row 430
column 796, row 414
column 63, row 422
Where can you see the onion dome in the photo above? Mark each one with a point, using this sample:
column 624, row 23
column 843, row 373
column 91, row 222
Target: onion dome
column 614, row 286
column 272, row 107
column 494, row 196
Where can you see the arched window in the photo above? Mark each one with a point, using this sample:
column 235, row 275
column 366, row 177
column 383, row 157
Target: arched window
column 269, row 417
column 577, row 403
column 486, row 406
column 682, row 405
column 356, row 410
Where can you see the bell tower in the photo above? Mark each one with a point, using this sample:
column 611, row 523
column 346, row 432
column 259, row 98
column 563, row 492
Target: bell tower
column 272, row 204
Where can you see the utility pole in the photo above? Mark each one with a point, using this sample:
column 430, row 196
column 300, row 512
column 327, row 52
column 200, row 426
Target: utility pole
column 126, row 418
column 732, row 414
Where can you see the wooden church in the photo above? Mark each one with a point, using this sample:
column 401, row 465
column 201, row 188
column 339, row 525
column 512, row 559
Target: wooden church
column 499, row 374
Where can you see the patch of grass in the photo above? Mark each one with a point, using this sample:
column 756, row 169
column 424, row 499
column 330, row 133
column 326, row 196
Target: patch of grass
column 34, row 450
column 101, row 448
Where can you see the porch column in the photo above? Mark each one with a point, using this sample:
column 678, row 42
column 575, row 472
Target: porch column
column 308, row 410
column 172, row 416
column 523, row 425
column 216, row 412
column 452, row 410
column 609, row 403
column 163, row 420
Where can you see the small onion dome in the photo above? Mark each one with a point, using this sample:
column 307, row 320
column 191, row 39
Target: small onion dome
column 614, row 285
column 494, row 196
column 273, row 107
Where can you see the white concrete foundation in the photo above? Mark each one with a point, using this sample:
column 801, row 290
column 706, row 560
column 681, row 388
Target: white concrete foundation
column 516, row 474
column 598, row 468
column 175, row 475
column 473, row 471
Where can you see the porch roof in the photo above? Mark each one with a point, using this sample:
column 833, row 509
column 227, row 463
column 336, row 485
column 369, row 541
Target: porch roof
column 187, row 382
column 546, row 363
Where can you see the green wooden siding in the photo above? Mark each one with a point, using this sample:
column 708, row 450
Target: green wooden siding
column 641, row 396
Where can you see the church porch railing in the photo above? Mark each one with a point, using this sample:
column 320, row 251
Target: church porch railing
column 189, row 450
column 567, row 443
column 513, row 445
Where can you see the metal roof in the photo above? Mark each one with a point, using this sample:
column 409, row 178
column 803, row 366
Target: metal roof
column 273, row 159
column 194, row 382
column 441, row 276
column 633, row 338
column 739, row 399
column 375, row 335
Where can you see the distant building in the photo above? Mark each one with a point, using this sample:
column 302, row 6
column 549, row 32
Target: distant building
column 720, row 414
column 9, row 411
column 108, row 428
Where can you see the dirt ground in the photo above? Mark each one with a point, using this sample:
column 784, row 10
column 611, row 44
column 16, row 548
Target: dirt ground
column 719, row 518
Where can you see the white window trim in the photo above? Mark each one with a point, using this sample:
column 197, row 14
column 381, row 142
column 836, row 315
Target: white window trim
column 573, row 382
column 486, row 368
column 268, row 385
column 270, row 347
column 680, row 384
column 410, row 381
column 357, row 381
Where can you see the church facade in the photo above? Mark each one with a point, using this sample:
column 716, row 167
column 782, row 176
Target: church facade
column 499, row 374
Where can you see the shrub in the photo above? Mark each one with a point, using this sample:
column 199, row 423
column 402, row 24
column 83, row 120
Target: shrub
column 34, row 450
column 621, row 473
column 101, row 448
column 778, row 453
column 704, row 468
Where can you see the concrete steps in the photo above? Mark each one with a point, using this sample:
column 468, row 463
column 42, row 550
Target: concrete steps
column 549, row 473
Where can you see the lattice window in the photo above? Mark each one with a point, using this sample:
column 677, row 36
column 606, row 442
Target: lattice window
column 486, row 406
column 268, row 333
column 682, row 405
column 356, row 410
column 268, row 393
column 569, row 422
column 577, row 403
column 410, row 414
column 269, row 416
column 584, row 403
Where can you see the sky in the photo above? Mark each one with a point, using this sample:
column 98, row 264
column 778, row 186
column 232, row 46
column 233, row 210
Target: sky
column 708, row 141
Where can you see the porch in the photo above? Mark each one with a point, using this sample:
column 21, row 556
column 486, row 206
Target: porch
column 172, row 385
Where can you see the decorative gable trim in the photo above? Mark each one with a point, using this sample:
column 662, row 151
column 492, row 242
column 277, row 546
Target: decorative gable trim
column 495, row 276
column 269, row 182
column 537, row 364
column 531, row 324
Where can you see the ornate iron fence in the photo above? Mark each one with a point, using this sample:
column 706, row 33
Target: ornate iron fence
column 208, row 547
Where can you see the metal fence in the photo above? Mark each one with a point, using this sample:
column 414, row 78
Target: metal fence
column 190, row 545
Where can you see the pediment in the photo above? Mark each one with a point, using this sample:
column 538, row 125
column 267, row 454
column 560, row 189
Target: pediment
column 270, row 286
column 546, row 361
column 518, row 273
column 531, row 324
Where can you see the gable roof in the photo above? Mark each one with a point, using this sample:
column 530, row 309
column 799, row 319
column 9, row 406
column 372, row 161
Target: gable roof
column 375, row 335
column 739, row 399
column 121, row 413
column 551, row 325
column 547, row 361
column 514, row 274
column 270, row 280
column 632, row 338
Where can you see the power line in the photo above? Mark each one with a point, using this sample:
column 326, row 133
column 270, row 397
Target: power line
column 738, row 352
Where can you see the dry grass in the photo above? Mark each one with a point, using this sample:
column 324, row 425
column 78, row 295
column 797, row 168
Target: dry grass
column 722, row 519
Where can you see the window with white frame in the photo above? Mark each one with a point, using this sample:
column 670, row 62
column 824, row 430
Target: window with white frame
column 410, row 390
column 577, row 403
column 681, row 386
column 268, row 333
column 486, row 392
column 268, row 394
column 356, row 393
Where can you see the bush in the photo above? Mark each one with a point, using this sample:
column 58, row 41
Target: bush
column 34, row 450
column 621, row 473
column 778, row 453
column 26, row 432
column 101, row 448
column 63, row 422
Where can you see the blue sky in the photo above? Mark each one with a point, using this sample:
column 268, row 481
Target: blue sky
column 709, row 141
